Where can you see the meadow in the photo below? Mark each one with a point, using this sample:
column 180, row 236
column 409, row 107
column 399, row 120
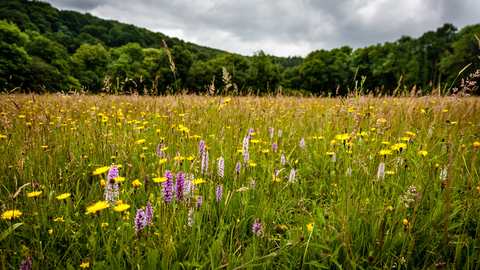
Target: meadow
column 210, row 182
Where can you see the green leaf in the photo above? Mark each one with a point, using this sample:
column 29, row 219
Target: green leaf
column 9, row 230
column 317, row 264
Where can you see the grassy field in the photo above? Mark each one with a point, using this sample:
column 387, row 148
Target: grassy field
column 185, row 182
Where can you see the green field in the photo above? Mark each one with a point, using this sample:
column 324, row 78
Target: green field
column 354, row 183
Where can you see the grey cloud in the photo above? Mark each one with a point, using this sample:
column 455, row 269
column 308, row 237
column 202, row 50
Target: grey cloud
column 283, row 27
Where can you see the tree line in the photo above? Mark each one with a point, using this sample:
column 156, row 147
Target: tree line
column 43, row 49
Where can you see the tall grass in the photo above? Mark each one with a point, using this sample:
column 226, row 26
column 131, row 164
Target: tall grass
column 339, row 211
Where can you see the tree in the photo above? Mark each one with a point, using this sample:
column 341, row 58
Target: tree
column 14, row 67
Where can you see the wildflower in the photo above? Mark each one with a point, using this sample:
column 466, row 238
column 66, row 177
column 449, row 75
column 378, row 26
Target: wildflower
column 385, row 152
column 252, row 164
column 246, row 157
column 405, row 222
column 476, row 144
column 147, row 219
column 245, row 144
column 11, row 214
column 179, row 186
column 221, row 167
column 256, row 227
column 271, row 131
column 252, row 184
column 291, row 179
column 381, row 171
column 103, row 183
column 443, row 174
column 121, row 208
column 136, row 183
column 238, row 167
column 219, row 193
column 279, row 133
column 349, row 172
column 34, row 194
column 423, row 153
column 390, row 172
column 139, row 220
column 167, row 187
column 441, row 265
column 199, row 202
column 191, row 217
column 310, row 226
column 27, row 264
column 97, row 207
column 205, row 162
column 334, row 157
column 189, row 188
column 389, row 208
column 274, row 147
column 302, row 143
column 101, row 170
column 250, row 134
column 342, row 137
column 111, row 190
column 282, row 160
column 160, row 152
column 201, row 148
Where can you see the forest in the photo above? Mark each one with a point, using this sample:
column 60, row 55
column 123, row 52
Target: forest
column 44, row 50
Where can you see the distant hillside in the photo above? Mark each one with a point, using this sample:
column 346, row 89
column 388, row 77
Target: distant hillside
column 43, row 49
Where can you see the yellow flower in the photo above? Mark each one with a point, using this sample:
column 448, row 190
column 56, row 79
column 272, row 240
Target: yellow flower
column 476, row 144
column 63, row 196
column 121, row 207
column 276, row 179
column 330, row 153
column 389, row 208
column 104, row 224
column 190, row 158
column 59, row 219
column 136, row 183
column 252, row 164
column 101, row 170
column 97, row 207
column 11, row 214
column 265, row 151
column 342, row 137
column 103, row 183
column 390, row 172
column 405, row 222
column 163, row 160
column 198, row 181
column 85, row 265
column 159, row 179
column 50, row 231
column 385, row 152
column 423, row 153
column 410, row 133
column 310, row 226
column 34, row 194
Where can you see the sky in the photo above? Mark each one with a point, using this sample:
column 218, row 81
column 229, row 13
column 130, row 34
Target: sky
column 282, row 27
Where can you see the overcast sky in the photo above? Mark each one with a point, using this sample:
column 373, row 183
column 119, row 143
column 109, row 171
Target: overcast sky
column 283, row 27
